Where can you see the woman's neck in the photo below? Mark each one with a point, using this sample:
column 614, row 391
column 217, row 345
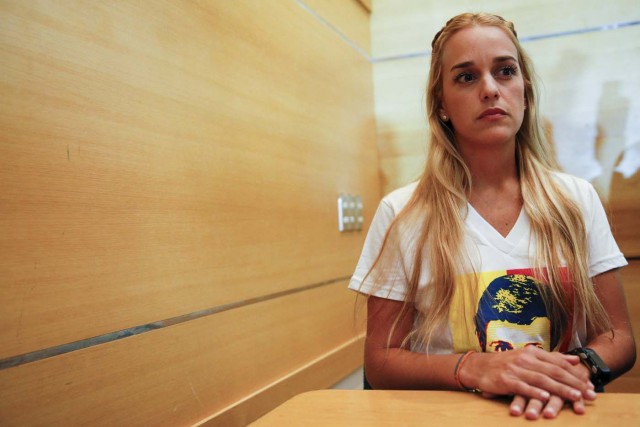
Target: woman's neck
column 495, row 186
column 492, row 169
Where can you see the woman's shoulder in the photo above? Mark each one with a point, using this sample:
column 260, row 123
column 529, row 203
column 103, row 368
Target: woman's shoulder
column 398, row 198
column 581, row 190
column 577, row 186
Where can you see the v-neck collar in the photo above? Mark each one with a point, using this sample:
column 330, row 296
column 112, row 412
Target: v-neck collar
column 505, row 244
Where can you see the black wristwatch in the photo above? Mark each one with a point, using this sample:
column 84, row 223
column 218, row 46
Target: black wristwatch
column 600, row 372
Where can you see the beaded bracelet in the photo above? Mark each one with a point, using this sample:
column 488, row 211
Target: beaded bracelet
column 456, row 372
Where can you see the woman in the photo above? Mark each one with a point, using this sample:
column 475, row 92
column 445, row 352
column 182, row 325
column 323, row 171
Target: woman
column 492, row 249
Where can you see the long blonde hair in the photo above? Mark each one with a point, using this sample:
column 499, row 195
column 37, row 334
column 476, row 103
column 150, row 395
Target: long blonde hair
column 437, row 207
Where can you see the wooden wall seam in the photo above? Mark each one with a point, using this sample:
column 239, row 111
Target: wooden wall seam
column 183, row 374
column 34, row 356
column 325, row 13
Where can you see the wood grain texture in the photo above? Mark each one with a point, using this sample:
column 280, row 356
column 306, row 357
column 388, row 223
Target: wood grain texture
column 317, row 375
column 350, row 17
column 623, row 208
column 182, row 374
column 374, row 408
column 401, row 125
column 401, row 27
column 630, row 382
column 154, row 167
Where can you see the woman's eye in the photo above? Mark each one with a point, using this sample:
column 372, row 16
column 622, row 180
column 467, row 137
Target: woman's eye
column 507, row 72
column 464, row 77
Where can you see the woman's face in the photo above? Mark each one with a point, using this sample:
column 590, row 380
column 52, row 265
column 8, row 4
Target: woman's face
column 482, row 88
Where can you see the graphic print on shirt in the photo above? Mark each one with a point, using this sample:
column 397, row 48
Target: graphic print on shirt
column 509, row 313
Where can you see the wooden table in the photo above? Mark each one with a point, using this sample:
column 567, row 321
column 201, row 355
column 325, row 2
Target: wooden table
column 330, row 408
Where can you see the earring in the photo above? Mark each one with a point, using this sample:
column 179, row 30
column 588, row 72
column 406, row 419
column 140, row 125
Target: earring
column 444, row 118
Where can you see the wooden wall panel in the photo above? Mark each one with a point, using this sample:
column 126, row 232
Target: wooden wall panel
column 314, row 376
column 401, row 124
column 182, row 374
column 167, row 157
column 401, row 27
column 350, row 17
column 623, row 209
column 160, row 160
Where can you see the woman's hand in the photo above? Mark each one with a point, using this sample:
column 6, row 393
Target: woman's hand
column 533, row 408
column 530, row 372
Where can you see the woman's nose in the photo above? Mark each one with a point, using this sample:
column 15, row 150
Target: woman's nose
column 489, row 89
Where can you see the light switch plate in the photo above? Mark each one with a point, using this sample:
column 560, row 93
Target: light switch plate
column 349, row 213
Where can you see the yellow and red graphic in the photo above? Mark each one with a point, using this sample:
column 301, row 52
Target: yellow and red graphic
column 504, row 312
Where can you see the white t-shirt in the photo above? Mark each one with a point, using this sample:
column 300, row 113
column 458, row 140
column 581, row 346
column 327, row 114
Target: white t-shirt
column 506, row 294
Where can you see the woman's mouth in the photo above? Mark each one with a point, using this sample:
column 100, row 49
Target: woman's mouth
column 492, row 114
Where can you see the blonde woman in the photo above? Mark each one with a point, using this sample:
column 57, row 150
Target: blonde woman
column 486, row 272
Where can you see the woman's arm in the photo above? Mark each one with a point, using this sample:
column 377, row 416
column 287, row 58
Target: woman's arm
column 530, row 372
column 390, row 366
column 617, row 350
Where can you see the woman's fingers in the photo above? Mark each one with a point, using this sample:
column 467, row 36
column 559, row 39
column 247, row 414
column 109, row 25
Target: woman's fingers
column 578, row 407
column 553, row 407
column 543, row 381
column 532, row 412
column 553, row 364
column 528, row 391
column 532, row 383
column 517, row 405
column 572, row 384
column 533, row 408
column 531, row 373
column 537, row 374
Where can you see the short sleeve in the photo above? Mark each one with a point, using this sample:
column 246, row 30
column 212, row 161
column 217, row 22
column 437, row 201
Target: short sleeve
column 392, row 284
column 604, row 254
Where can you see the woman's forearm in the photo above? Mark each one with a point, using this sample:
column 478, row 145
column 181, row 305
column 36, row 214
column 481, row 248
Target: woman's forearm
column 397, row 368
column 617, row 349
